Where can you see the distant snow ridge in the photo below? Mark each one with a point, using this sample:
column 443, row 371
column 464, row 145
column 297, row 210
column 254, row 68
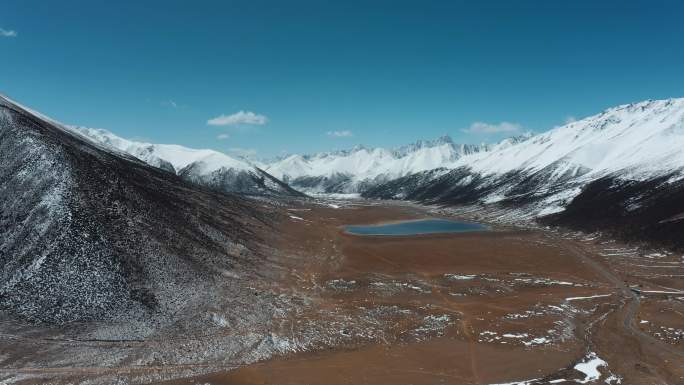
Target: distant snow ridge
column 206, row 167
column 356, row 170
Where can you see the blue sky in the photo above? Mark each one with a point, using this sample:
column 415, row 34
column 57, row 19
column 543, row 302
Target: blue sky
column 305, row 76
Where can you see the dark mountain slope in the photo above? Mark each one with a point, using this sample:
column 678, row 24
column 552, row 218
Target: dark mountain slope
column 87, row 234
column 650, row 210
column 464, row 186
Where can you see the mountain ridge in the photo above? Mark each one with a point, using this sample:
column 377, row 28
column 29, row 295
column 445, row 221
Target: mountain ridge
column 352, row 171
column 203, row 166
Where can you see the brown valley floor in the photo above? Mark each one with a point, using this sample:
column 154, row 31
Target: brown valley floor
column 503, row 306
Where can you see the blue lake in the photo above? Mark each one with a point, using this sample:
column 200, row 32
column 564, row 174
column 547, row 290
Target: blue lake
column 416, row 227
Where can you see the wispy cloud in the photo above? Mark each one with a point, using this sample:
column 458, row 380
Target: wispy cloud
column 222, row 136
column 487, row 128
column 240, row 117
column 8, row 32
column 243, row 152
column 169, row 103
column 570, row 119
column 340, row 134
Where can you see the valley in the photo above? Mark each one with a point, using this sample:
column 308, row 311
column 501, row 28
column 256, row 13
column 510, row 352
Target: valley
column 137, row 263
column 510, row 305
column 341, row 193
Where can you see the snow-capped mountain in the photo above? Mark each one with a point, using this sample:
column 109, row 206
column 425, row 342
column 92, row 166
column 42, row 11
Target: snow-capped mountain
column 207, row 167
column 356, row 170
column 636, row 142
column 631, row 153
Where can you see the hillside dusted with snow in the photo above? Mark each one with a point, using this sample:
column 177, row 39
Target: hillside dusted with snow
column 206, row 167
column 89, row 235
column 358, row 169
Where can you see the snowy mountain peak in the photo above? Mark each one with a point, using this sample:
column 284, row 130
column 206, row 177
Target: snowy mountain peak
column 349, row 170
column 444, row 139
column 419, row 144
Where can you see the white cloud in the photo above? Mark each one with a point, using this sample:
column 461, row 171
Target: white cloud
column 8, row 33
column 570, row 119
column 487, row 128
column 222, row 136
column 340, row 134
column 243, row 152
column 240, row 117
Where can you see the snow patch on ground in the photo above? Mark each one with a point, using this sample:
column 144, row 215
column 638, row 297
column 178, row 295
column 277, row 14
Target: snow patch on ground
column 589, row 367
column 458, row 277
column 587, row 297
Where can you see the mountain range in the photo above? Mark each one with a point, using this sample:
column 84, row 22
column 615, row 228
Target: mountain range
column 634, row 147
column 620, row 171
column 358, row 169
column 634, row 142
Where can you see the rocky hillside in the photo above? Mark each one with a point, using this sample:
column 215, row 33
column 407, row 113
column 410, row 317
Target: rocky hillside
column 89, row 234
